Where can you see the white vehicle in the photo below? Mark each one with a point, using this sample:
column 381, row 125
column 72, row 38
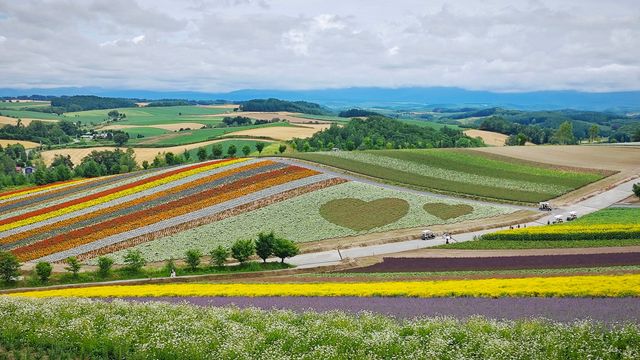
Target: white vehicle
column 544, row 206
column 572, row 216
column 427, row 235
column 557, row 219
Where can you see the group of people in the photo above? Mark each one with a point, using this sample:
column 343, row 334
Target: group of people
column 447, row 237
column 511, row 227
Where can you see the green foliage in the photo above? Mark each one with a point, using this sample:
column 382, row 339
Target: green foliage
column 242, row 250
column 9, row 266
column 87, row 102
column 47, row 133
column 264, row 245
column 202, row 154
column 636, row 189
column 564, row 134
column 219, row 255
column 216, row 151
column 357, row 113
column 73, row 266
column 120, row 138
column 134, row 261
column 106, row 162
column 270, row 105
column 260, row 147
column 282, row 148
column 232, row 150
column 105, row 264
column 284, row 248
column 379, row 132
column 43, row 271
column 192, row 258
column 246, row 150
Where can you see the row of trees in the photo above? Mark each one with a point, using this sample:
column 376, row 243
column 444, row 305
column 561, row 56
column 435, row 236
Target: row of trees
column 378, row 132
column 270, row 105
column 265, row 246
column 46, row 133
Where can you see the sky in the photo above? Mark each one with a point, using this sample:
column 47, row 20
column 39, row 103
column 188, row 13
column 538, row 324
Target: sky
column 225, row 45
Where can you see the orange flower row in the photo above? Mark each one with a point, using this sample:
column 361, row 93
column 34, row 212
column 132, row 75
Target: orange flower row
column 165, row 211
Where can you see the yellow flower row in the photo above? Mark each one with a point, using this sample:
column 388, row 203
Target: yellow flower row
column 564, row 286
column 36, row 189
column 115, row 195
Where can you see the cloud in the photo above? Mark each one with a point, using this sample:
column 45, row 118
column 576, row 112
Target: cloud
column 232, row 44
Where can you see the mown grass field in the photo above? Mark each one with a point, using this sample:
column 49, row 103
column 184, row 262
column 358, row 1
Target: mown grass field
column 151, row 115
column 22, row 105
column 458, row 172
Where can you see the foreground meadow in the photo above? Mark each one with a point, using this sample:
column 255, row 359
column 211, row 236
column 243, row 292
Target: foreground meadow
column 71, row 328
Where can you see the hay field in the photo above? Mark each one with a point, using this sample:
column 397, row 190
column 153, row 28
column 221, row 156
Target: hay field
column 170, row 127
column 26, row 144
column 283, row 132
column 141, row 153
column 293, row 118
column 5, row 120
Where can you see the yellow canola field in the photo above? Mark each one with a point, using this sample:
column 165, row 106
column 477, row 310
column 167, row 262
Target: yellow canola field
column 563, row 286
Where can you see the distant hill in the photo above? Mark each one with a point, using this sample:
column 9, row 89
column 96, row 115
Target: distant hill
column 384, row 97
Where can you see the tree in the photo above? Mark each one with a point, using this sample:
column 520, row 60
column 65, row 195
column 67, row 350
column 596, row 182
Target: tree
column 114, row 114
column 636, row 189
column 145, row 164
column 120, row 138
column 594, row 131
column 9, row 266
column 564, row 134
column 73, row 266
column 186, row 155
column 219, row 255
column 134, row 261
column 284, row 248
column 231, row 150
column 202, row 154
column 246, row 150
column 43, row 271
column 259, row 147
column 193, row 258
column 264, row 245
column 216, row 151
column 282, row 148
column 242, row 250
column 104, row 266
column 636, row 135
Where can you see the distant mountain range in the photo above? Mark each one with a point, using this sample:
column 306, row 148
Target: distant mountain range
column 399, row 98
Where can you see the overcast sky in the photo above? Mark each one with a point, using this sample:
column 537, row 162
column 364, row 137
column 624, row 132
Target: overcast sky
column 222, row 45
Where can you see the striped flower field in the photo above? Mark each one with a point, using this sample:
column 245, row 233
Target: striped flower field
column 119, row 209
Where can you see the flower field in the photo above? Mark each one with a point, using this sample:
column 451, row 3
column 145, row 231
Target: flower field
column 608, row 224
column 302, row 219
column 76, row 328
column 460, row 172
column 119, row 210
column 560, row 286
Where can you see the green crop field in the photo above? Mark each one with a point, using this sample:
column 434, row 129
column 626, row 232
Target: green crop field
column 33, row 115
column 427, row 123
column 193, row 136
column 458, row 172
column 145, row 132
column 22, row 105
column 152, row 115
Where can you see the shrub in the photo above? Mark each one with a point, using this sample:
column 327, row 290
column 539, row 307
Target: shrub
column 73, row 266
column 169, row 266
column 284, row 248
column 43, row 271
column 193, row 258
column 636, row 189
column 9, row 266
column 134, row 261
column 104, row 266
column 264, row 245
column 219, row 255
column 242, row 250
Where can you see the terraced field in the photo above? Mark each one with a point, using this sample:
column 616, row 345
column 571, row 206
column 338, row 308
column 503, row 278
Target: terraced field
column 460, row 172
column 314, row 216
